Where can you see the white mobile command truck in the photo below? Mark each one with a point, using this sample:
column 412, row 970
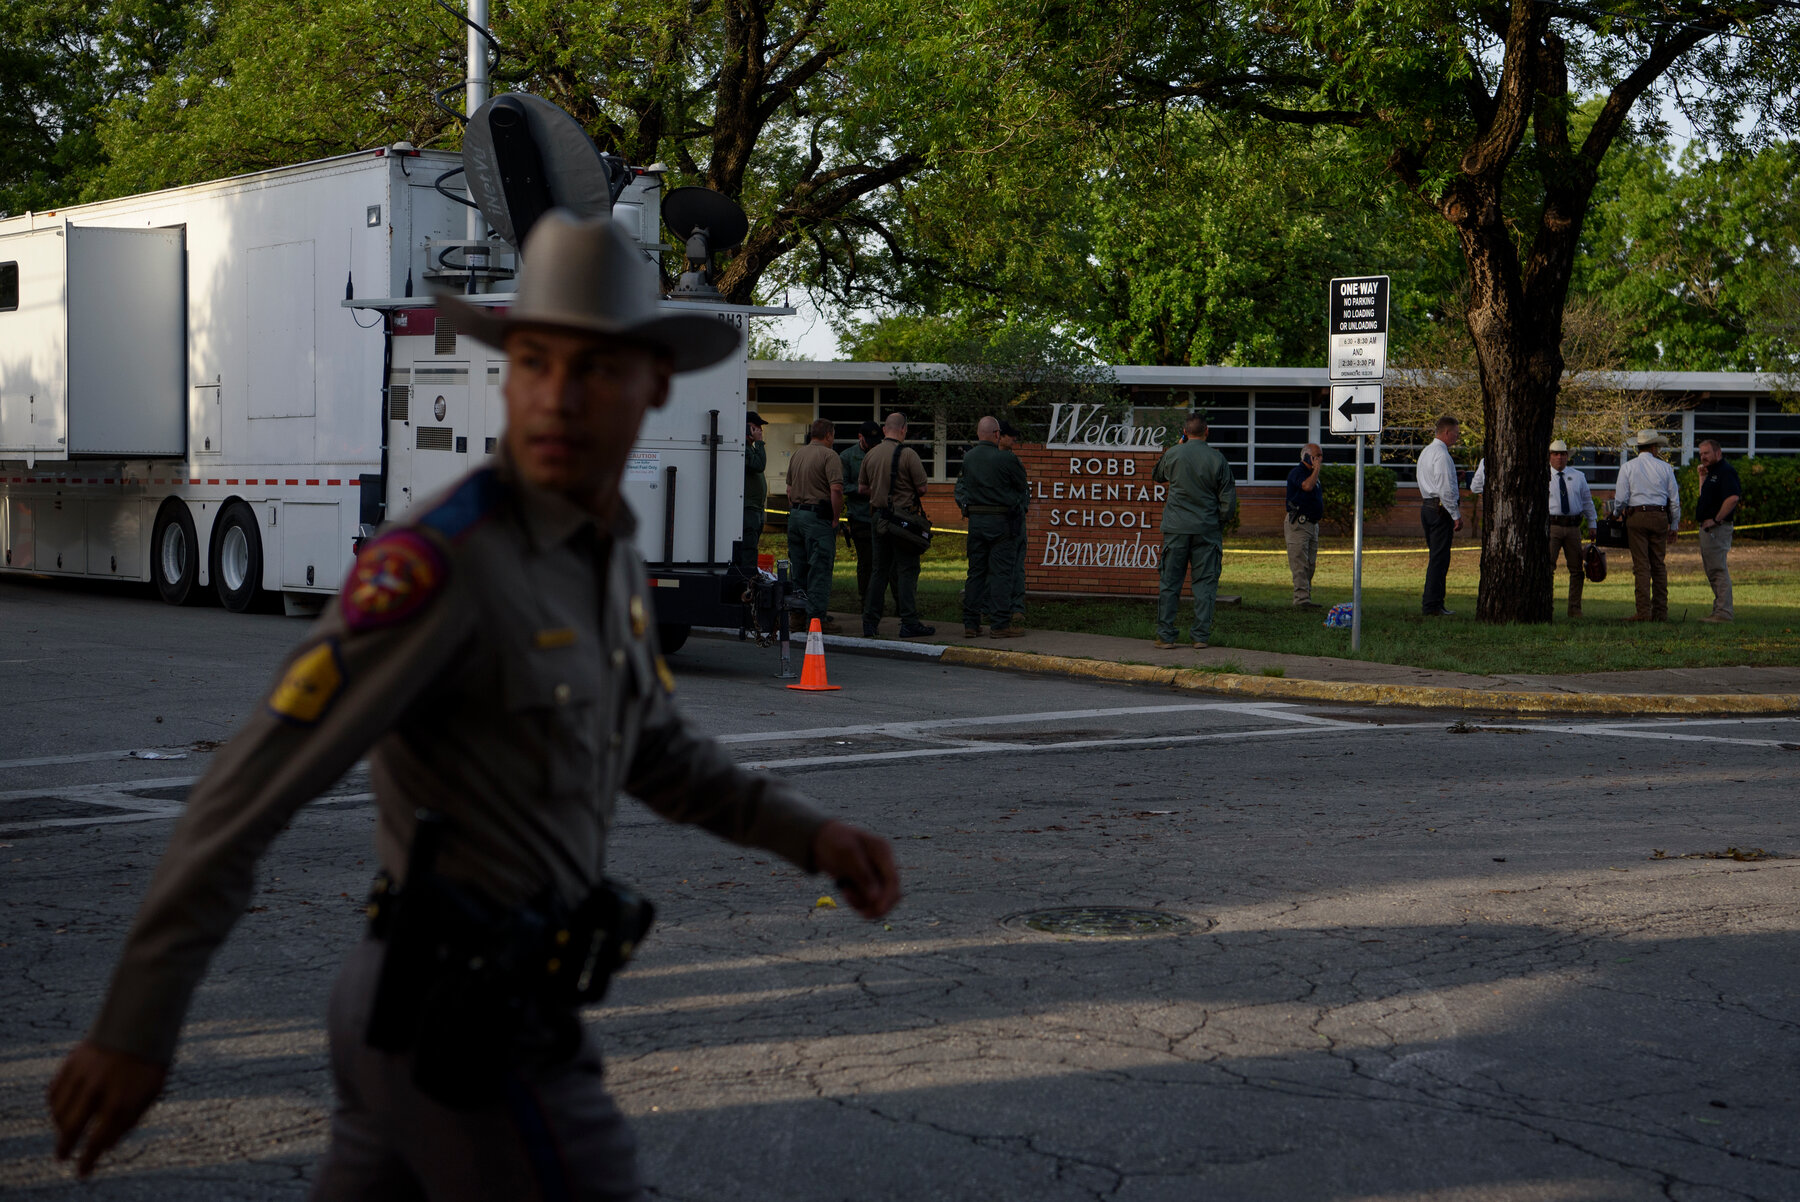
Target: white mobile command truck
column 228, row 386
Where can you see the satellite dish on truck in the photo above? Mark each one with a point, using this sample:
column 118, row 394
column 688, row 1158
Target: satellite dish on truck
column 706, row 222
column 524, row 156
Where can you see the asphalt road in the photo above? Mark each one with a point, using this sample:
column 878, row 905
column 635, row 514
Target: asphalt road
column 1417, row 961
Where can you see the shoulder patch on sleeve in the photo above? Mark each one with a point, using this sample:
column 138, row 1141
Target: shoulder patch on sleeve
column 395, row 576
column 309, row 686
column 464, row 508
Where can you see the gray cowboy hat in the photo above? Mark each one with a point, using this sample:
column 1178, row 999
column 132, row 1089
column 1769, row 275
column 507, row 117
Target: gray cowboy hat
column 586, row 277
column 1652, row 438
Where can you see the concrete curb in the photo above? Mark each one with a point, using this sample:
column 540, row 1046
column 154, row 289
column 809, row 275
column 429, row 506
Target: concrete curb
column 1411, row 696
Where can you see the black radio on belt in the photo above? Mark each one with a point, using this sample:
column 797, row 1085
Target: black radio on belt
column 474, row 989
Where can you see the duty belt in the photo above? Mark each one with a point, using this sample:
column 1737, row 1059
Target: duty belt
column 1631, row 509
column 991, row 510
column 1565, row 519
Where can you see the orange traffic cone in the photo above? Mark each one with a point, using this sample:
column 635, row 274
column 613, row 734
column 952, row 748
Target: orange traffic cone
column 812, row 669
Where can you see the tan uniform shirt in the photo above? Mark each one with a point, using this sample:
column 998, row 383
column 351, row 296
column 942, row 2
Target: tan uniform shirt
column 499, row 656
column 887, row 489
column 812, row 470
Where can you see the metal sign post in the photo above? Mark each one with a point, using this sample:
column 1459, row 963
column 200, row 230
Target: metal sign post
column 1356, row 557
column 1356, row 322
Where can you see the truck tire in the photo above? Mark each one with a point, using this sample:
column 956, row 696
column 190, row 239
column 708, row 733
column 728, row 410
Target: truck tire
column 237, row 560
column 175, row 554
column 672, row 635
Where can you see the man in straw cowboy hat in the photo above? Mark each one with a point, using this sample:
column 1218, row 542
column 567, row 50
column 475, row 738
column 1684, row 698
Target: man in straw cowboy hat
column 495, row 656
column 1571, row 503
column 1651, row 501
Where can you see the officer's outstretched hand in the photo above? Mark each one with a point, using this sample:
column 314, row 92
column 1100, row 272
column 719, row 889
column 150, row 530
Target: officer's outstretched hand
column 103, row 1093
column 861, row 863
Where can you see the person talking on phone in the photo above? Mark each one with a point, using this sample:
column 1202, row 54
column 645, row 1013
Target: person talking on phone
column 1305, row 509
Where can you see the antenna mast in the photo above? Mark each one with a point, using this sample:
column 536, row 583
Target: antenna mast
column 476, row 90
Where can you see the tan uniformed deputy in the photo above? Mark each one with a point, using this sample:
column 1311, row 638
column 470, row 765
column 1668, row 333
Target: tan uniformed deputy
column 815, row 478
column 496, row 657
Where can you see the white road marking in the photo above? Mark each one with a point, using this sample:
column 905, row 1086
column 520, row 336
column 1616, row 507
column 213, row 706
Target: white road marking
column 1641, row 732
column 102, row 788
column 1259, row 709
column 85, row 757
column 961, row 748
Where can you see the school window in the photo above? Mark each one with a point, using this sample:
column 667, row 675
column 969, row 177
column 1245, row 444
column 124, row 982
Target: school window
column 9, row 287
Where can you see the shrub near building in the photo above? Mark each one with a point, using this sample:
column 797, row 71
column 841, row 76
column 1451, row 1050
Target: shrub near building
column 1771, row 494
column 1339, row 483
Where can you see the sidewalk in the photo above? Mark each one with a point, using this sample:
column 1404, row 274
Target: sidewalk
column 1325, row 678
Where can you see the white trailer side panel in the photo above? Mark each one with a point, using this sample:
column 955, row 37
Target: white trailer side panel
column 675, row 436
column 127, row 341
column 34, row 348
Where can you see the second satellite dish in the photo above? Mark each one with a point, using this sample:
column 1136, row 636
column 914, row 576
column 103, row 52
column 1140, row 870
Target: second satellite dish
column 524, row 156
column 706, row 222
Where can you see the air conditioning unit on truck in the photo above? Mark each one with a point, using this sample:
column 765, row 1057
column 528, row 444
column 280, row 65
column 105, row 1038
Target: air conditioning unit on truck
column 225, row 387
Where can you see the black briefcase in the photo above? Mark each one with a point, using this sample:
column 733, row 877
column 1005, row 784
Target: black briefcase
column 1610, row 532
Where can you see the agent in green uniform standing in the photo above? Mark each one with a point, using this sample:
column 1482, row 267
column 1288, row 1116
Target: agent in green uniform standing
column 815, row 502
column 1010, row 437
column 857, row 514
column 990, row 492
column 756, row 489
column 1202, row 498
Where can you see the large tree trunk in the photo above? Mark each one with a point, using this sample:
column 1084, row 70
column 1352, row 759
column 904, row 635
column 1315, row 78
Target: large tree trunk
column 1521, row 369
column 1518, row 345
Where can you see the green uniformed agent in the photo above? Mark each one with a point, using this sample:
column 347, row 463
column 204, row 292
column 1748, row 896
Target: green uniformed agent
column 756, row 490
column 857, row 516
column 815, row 502
column 1202, row 497
column 1010, row 438
column 991, row 494
column 495, row 656
column 894, row 478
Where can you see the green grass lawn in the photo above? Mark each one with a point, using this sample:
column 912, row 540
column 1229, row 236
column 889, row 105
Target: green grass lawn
column 1763, row 578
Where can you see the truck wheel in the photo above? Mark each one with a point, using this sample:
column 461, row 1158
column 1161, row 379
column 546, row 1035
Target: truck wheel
column 175, row 554
column 237, row 561
column 672, row 635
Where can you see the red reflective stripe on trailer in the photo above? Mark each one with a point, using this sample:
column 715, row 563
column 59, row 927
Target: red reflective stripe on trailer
column 231, row 481
column 209, row 481
column 312, row 483
column 195, row 480
column 107, row 481
column 334, row 482
column 293, row 481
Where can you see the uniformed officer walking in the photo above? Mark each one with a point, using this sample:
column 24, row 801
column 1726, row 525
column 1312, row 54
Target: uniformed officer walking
column 495, row 656
column 815, row 502
column 1571, row 503
column 1650, row 499
column 991, row 494
column 756, row 489
column 1202, row 498
column 894, row 478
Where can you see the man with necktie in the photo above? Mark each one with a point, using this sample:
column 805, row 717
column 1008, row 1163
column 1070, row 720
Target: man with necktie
column 1651, row 501
column 1440, row 498
column 1570, row 503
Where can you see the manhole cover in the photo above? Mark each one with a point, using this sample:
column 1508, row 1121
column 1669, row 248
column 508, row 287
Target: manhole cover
column 1101, row 921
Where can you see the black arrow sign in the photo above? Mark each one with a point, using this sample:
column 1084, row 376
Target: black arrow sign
column 1353, row 407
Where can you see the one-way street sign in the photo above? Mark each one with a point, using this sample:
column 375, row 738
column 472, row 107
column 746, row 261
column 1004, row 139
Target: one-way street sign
column 1358, row 323
column 1356, row 408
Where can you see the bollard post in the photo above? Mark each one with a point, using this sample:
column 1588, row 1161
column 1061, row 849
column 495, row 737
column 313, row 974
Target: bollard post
column 784, row 632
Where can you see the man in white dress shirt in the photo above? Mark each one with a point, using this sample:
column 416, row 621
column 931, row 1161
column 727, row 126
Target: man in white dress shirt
column 1651, row 501
column 1570, row 503
column 1440, row 511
